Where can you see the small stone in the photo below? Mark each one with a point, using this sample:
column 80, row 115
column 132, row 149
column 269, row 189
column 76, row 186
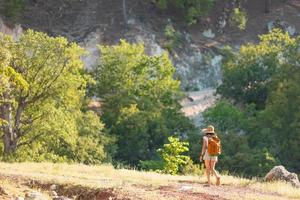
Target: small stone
column 53, row 193
column 208, row 33
column 53, row 187
column 61, row 198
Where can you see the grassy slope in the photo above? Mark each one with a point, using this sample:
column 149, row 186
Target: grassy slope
column 147, row 185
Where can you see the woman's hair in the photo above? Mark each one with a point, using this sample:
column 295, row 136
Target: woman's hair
column 210, row 134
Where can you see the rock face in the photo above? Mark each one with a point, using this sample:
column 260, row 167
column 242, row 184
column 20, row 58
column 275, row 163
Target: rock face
column 279, row 173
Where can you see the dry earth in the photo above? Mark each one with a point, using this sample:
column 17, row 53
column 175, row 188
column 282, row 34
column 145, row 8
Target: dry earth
column 13, row 186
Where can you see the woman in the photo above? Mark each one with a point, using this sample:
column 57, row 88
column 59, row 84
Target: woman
column 210, row 161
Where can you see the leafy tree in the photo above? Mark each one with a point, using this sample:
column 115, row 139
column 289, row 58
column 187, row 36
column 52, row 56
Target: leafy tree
column 192, row 8
column 269, row 70
column 140, row 100
column 279, row 122
column 171, row 154
column 247, row 74
column 46, row 114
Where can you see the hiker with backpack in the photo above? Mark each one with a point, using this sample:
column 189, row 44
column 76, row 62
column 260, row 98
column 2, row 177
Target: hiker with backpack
column 211, row 148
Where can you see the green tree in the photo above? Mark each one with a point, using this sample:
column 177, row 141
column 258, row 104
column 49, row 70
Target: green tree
column 279, row 122
column 192, row 8
column 172, row 155
column 140, row 100
column 247, row 74
column 43, row 120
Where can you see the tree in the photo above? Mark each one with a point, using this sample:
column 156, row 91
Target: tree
column 140, row 100
column 45, row 114
column 270, row 70
column 192, row 8
column 172, row 155
column 247, row 75
column 279, row 122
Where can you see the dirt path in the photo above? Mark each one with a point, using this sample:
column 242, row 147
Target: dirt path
column 12, row 186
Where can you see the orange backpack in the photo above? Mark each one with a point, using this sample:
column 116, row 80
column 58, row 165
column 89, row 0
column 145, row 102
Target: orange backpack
column 214, row 146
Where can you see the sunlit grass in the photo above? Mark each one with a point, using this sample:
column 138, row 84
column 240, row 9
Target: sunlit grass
column 106, row 176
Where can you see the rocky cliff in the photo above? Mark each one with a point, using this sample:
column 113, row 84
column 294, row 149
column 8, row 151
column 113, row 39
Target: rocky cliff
column 195, row 50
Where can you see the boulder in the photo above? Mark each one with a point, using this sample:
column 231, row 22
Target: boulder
column 208, row 33
column 283, row 25
column 279, row 173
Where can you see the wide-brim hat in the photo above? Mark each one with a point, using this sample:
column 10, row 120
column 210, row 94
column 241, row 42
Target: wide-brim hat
column 209, row 129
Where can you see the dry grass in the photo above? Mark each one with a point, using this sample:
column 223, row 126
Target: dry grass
column 105, row 176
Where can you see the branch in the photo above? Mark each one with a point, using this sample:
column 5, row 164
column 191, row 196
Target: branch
column 30, row 141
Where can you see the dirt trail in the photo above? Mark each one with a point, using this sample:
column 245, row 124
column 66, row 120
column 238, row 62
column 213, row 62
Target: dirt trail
column 174, row 191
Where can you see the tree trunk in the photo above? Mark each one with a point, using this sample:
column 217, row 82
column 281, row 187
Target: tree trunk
column 7, row 128
column 267, row 6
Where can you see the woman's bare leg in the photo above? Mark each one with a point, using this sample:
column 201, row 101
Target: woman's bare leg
column 214, row 172
column 207, row 169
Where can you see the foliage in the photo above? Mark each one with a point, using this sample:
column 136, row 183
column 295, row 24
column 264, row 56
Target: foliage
column 263, row 80
column 173, row 37
column 152, row 165
column 13, row 7
column 44, row 117
column 239, row 18
column 171, row 154
column 282, row 113
column 192, row 8
column 140, row 100
column 192, row 169
column 247, row 75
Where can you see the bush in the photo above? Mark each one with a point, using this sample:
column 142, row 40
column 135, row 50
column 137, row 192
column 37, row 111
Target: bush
column 239, row 18
column 192, row 169
column 173, row 37
column 13, row 7
column 172, row 156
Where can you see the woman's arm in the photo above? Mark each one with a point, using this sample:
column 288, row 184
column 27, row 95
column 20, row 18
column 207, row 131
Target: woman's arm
column 203, row 149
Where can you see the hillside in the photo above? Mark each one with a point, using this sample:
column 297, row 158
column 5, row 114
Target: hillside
column 103, row 182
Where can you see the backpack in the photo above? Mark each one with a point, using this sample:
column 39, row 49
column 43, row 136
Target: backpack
column 214, row 146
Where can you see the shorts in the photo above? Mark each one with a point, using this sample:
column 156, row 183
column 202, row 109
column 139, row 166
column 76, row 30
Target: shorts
column 208, row 157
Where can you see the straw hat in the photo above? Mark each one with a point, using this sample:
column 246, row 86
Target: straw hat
column 209, row 129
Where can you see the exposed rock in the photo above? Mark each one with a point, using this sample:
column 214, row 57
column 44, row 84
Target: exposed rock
column 283, row 25
column 208, row 33
column 15, row 31
column 90, row 44
column 196, row 102
column 279, row 173
column 19, row 198
column 35, row 196
column 291, row 30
